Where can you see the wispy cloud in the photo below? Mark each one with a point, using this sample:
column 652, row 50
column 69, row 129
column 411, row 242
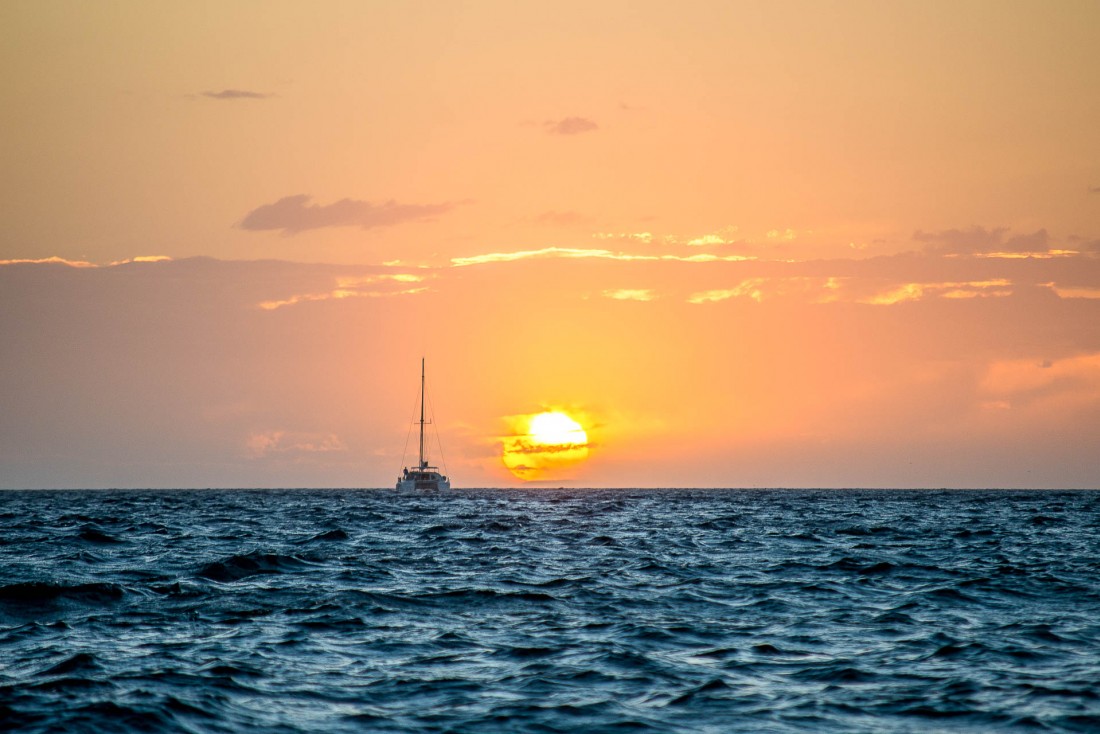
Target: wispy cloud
column 143, row 259
column 261, row 444
column 982, row 242
column 630, row 294
column 645, row 237
column 1019, row 383
column 1035, row 255
column 503, row 257
column 232, row 94
column 55, row 260
column 352, row 287
column 571, row 126
column 707, row 240
column 751, row 288
column 847, row 290
column 996, row 288
column 897, row 294
column 574, row 252
column 975, row 239
column 1074, row 291
column 294, row 214
column 724, row 236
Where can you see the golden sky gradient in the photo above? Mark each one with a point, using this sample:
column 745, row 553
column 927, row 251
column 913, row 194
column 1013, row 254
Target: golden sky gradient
column 779, row 244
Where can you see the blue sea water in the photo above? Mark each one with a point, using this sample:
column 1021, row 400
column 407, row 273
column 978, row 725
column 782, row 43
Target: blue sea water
column 550, row 611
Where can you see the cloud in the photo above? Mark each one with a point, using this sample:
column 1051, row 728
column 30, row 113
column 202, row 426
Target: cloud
column 498, row 257
column 993, row 288
column 231, row 94
column 834, row 289
column 55, row 260
column 807, row 289
column 266, row 443
column 1094, row 189
column 1023, row 382
column 645, row 237
column 352, row 287
column 984, row 242
column 975, row 239
column 575, row 252
column 750, row 288
column 1075, row 291
column 294, row 214
column 630, row 294
column 529, row 458
column 571, row 126
column 725, row 236
column 1084, row 244
column 143, row 259
column 809, row 374
column 899, row 294
column 707, row 239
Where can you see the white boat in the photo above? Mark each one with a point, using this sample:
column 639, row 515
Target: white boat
column 422, row 476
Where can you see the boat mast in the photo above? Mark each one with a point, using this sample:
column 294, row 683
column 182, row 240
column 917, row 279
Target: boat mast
column 422, row 463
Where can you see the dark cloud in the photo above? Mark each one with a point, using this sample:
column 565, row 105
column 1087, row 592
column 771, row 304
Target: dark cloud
column 977, row 240
column 236, row 94
column 195, row 411
column 973, row 239
column 526, row 446
column 293, row 214
column 571, row 126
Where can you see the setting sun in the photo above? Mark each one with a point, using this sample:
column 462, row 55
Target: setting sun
column 556, row 429
column 543, row 445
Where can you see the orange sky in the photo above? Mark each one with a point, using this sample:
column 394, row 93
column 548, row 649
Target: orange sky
column 781, row 244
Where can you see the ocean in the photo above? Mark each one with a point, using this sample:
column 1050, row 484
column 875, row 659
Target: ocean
column 549, row 610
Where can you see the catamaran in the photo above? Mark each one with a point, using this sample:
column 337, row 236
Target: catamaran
column 422, row 476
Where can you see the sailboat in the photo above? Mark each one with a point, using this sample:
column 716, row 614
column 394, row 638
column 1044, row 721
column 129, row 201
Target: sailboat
column 422, row 476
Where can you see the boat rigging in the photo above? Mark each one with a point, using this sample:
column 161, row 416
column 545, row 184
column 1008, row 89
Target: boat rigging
column 423, row 475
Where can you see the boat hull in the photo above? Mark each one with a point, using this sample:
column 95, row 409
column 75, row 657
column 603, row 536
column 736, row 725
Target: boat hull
column 423, row 480
column 429, row 484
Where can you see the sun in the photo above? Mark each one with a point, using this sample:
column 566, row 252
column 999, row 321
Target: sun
column 542, row 446
column 556, row 429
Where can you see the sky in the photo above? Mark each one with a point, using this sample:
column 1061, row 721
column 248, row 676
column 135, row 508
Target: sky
column 795, row 244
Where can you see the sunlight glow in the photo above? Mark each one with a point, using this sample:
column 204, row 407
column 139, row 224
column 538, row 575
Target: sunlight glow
column 543, row 445
column 556, row 429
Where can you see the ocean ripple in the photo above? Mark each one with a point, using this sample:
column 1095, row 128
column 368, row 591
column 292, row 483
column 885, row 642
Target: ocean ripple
column 549, row 611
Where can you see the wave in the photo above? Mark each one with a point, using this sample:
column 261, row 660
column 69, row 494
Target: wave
column 93, row 534
column 82, row 662
column 331, row 535
column 239, row 567
column 45, row 592
column 531, row 610
column 491, row 594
